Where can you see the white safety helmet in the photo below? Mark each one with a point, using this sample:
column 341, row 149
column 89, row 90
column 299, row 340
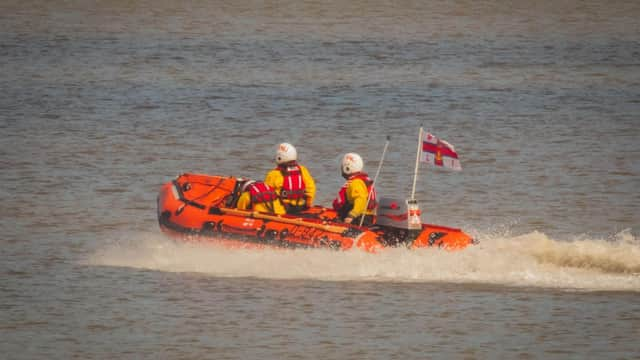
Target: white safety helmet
column 351, row 163
column 285, row 153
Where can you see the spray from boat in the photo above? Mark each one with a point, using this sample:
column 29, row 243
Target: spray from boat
column 529, row 260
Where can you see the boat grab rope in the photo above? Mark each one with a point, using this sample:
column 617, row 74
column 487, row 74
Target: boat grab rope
column 194, row 202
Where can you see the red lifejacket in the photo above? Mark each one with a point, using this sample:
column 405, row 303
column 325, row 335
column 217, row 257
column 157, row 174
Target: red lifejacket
column 293, row 187
column 340, row 203
column 261, row 193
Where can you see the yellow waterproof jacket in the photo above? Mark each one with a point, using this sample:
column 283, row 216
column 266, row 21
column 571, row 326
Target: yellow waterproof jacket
column 357, row 195
column 275, row 179
column 244, row 203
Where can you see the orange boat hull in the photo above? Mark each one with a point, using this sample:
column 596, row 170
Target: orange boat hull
column 197, row 207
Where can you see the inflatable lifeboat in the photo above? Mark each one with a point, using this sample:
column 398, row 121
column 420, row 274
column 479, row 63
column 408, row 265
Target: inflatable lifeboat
column 196, row 207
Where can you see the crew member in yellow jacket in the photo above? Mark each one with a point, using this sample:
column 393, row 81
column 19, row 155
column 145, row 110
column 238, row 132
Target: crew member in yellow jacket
column 292, row 182
column 357, row 197
column 258, row 196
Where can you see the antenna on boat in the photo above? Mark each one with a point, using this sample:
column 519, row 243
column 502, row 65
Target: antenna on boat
column 415, row 172
column 375, row 178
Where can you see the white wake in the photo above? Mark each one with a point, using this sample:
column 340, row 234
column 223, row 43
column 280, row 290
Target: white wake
column 531, row 260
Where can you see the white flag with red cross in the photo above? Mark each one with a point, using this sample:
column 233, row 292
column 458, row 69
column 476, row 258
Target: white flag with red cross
column 438, row 152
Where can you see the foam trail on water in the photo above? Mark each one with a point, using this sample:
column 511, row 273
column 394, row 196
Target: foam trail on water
column 530, row 260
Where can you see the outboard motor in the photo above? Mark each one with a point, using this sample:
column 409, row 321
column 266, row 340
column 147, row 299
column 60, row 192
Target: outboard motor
column 400, row 219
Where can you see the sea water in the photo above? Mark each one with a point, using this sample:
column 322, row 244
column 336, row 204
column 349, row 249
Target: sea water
column 103, row 103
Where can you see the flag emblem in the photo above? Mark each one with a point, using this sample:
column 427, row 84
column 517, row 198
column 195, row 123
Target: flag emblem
column 438, row 152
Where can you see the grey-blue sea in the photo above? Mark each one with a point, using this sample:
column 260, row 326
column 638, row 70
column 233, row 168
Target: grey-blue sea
column 102, row 102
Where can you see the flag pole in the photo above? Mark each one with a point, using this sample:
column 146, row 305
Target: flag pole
column 415, row 172
column 384, row 151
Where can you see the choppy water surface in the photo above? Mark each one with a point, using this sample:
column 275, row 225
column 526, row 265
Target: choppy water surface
column 102, row 104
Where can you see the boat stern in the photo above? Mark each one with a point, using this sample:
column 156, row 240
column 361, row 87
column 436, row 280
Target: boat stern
column 442, row 237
